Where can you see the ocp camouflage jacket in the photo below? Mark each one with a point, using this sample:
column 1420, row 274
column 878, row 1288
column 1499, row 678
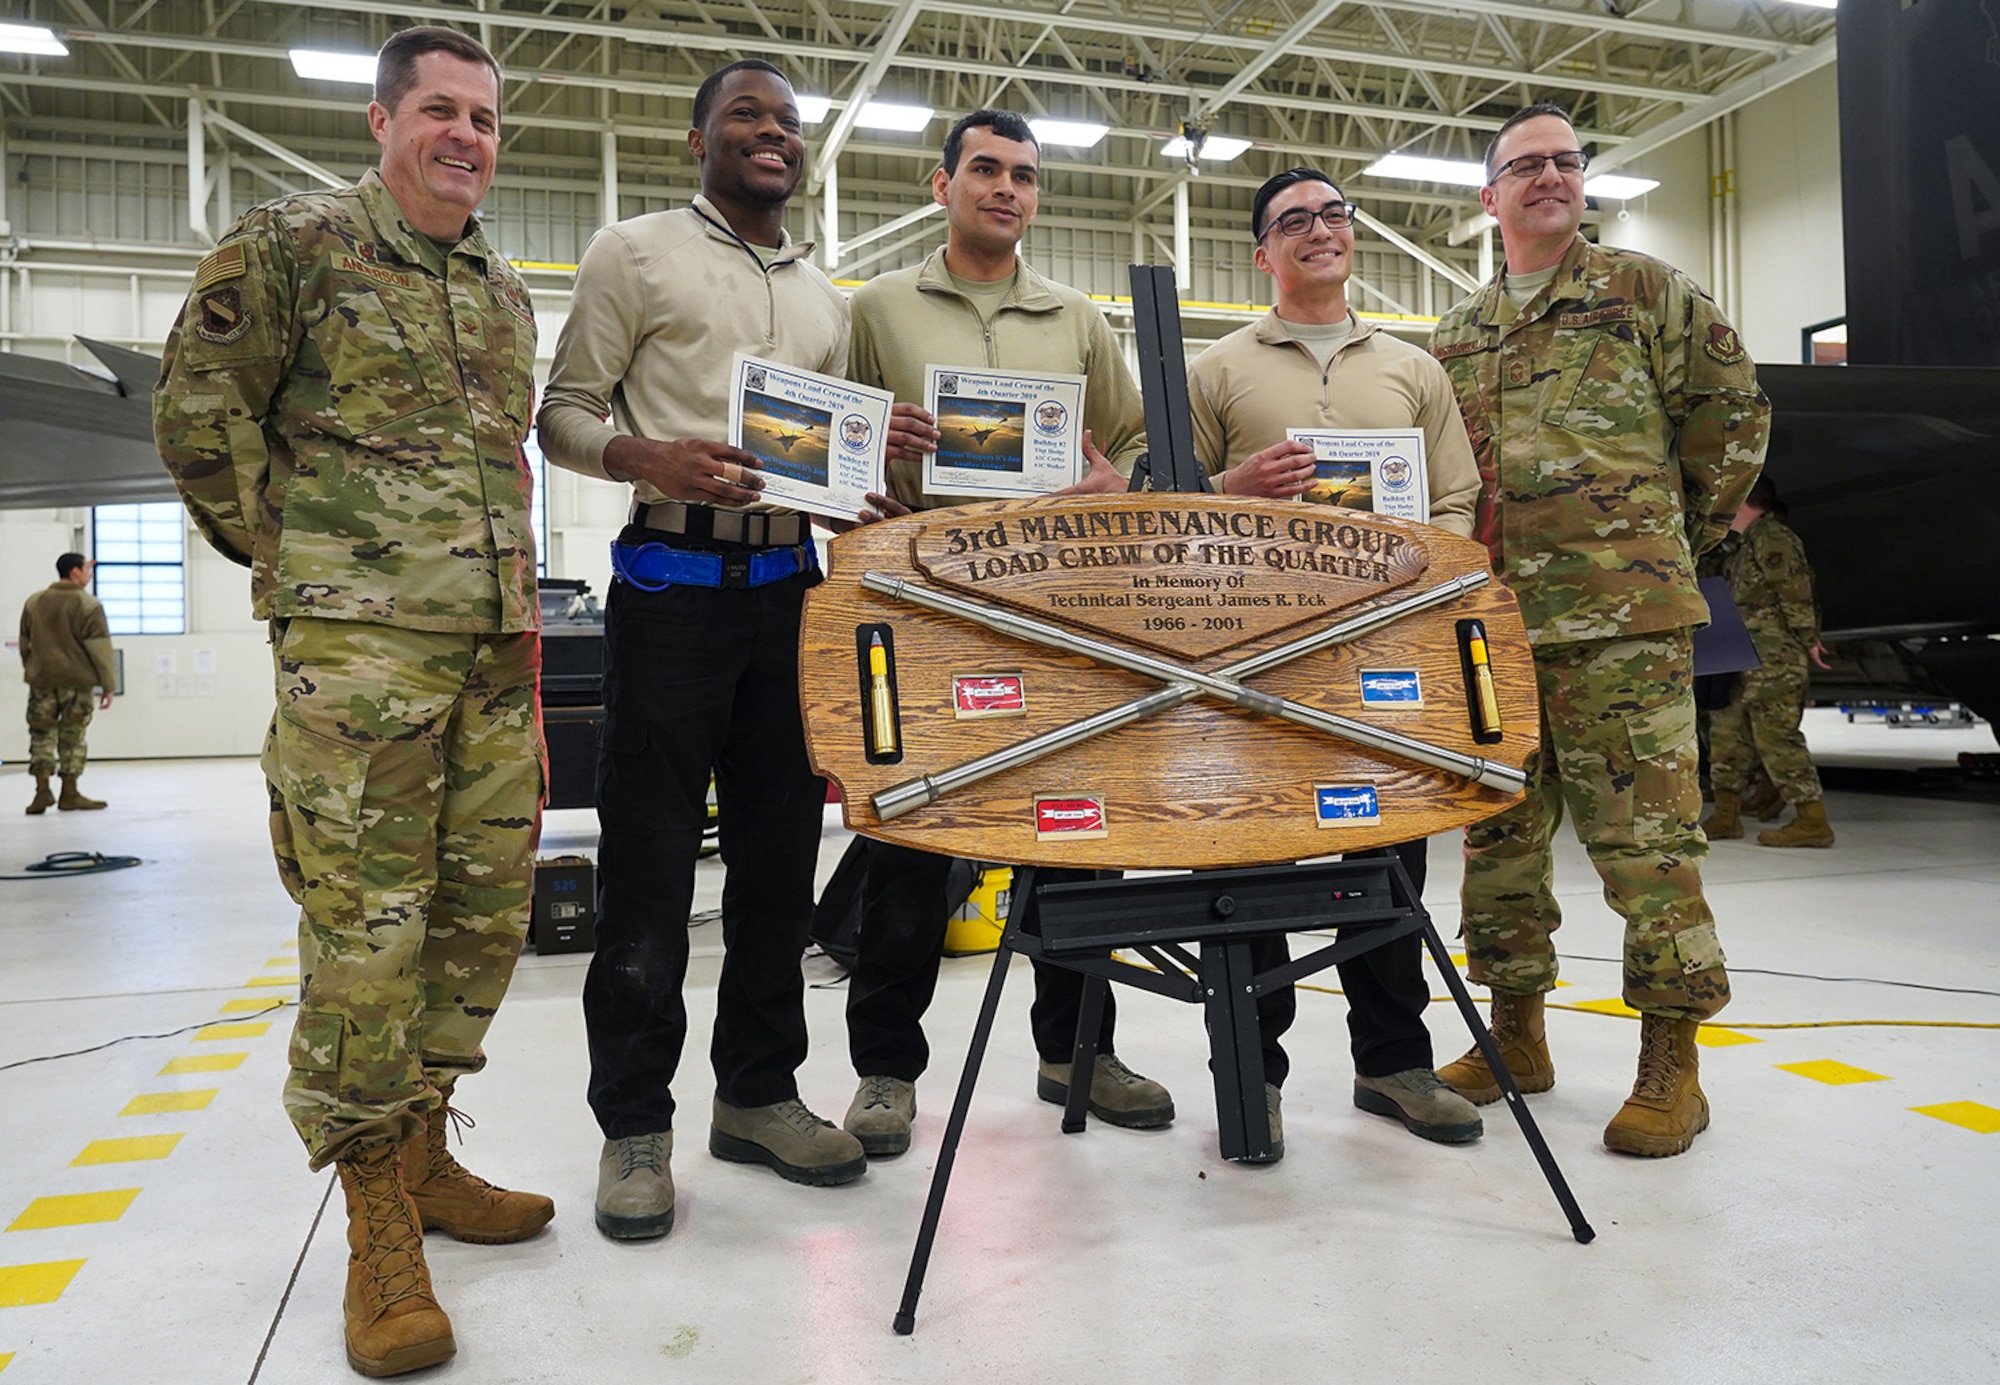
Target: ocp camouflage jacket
column 1618, row 425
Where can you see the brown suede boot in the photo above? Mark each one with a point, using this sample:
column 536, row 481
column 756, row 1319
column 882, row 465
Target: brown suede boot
column 394, row 1323
column 1808, row 827
column 72, row 801
column 1519, row 1034
column 43, row 799
column 1725, row 823
column 1666, row 1109
column 461, row 1204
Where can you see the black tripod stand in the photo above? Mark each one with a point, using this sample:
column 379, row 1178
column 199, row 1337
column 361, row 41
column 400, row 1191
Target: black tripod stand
column 1368, row 900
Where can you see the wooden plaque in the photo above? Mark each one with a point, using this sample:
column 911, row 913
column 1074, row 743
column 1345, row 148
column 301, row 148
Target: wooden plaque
column 1196, row 582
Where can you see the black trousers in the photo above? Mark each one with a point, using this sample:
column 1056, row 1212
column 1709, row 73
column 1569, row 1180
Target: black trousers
column 699, row 679
column 1386, row 995
column 895, row 975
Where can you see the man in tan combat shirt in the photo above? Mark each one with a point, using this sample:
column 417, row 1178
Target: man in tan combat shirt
column 342, row 406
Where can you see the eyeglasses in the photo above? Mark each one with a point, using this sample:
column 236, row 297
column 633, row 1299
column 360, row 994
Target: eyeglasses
column 1531, row 165
column 1335, row 216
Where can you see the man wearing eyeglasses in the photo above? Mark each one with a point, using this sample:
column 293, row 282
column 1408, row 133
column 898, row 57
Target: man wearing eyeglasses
column 1618, row 425
column 1311, row 363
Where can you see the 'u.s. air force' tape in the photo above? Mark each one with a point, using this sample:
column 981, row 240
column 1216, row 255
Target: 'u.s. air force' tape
column 1346, row 805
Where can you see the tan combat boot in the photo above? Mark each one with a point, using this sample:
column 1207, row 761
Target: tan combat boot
column 1808, row 827
column 72, row 801
column 461, row 1204
column 1726, row 822
column 1523, row 1042
column 1666, row 1109
column 394, row 1323
column 43, row 799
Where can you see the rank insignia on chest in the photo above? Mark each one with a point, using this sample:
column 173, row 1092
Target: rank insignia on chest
column 223, row 318
column 1517, row 373
column 1724, row 344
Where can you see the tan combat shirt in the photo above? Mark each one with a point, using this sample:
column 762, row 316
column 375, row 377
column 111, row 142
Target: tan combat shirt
column 1251, row 386
column 342, row 406
column 1618, row 426
column 912, row 319
column 65, row 642
column 662, row 304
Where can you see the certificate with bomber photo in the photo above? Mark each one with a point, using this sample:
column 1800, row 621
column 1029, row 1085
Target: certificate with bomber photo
column 1003, row 434
column 1379, row 469
column 817, row 439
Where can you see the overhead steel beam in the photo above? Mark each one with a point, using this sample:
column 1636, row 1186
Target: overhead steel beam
column 861, row 93
column 1272, row 51
column 218, row 121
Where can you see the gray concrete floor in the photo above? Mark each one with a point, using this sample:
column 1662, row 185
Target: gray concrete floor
column 1825, row 1229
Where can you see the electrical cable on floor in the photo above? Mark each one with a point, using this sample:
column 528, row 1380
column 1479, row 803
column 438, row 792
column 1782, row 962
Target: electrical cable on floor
column 129, row 1038
column 61, row 863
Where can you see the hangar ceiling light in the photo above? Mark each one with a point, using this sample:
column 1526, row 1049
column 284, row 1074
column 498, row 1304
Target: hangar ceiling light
column 318, row 65
column 892, row 115
column 27, row 38
column 1078, row 134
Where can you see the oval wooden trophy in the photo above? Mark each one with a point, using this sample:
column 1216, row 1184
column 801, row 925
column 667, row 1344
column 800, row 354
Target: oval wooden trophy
column 1158, row 681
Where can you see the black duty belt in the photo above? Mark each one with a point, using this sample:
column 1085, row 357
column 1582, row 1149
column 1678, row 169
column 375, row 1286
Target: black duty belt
column 786, row 529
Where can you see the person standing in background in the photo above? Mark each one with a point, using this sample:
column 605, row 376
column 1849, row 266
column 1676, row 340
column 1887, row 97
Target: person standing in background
column 1771, row 584
column 67, row 663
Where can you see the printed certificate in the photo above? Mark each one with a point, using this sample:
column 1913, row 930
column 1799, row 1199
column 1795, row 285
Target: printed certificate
column 1379, row 469
column 1003, row 434
column 817, row 439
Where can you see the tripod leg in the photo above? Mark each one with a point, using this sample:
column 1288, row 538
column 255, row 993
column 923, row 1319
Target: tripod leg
column 1083, row 1058
column 1515, row 1102
column 975, row 1054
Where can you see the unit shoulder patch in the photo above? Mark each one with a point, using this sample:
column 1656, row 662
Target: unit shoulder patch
column 220, row 266
column 222, row 318
column 1723, row 344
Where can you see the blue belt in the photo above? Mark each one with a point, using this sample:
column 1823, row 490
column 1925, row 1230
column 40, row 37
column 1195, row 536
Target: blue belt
column 654, row 567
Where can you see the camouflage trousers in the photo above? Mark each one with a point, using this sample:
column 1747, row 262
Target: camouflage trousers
column 57, row 720
column 1762, row 722
column 1618, row 751
column 406, row 776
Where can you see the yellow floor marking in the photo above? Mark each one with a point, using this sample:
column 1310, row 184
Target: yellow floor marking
column 5, row 1357
column 126, row 1151
column 159, row 1103
column 205, row 1062
column 1832, row 1073
column 247, row 1007
column 282, row 962
column 291, row 947
column 1458, row 960
column 74, row 1209
column 1613, row 1006
column 271, row 981
column 1981, row 1120
column 21, row 1285
column 1711, row 1036
column 212, row 1032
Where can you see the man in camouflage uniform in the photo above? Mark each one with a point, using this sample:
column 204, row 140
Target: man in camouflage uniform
column 66, row 662
column 1772, row 587
column 342, row 406
column 1618, row 425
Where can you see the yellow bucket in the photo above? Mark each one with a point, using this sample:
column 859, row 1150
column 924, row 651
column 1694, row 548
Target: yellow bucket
column 977, row 924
